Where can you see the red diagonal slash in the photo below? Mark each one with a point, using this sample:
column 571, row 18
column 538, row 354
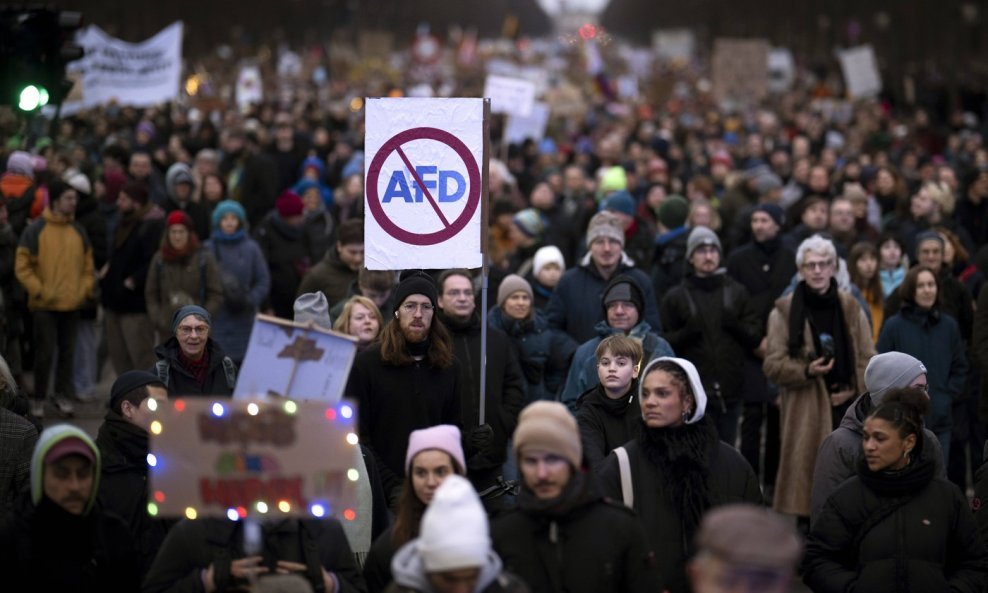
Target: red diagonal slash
column 419, row 181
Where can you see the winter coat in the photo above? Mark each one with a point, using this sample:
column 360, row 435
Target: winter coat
column 132, row 259
column 605, row 423
column 934, row 338
column 330, row 276
column 583, row 372
column 505, row 393
column 24, row 199
column 123, row 486
column 575, row 305
column 952, row 299
column 92, row 220
column 710, row 322
column 395, row 400
column 841, row 452
column 54, row 263
column 240, row 260
column 13, row 298
column 669, row 263
column 544, row 353
column 410, row 574
column 729, row 480
column 377, row 567
column 925, row 541
column 979, row 351
column 181, row 383
column 593, row 547
column 192, row 546
column 192, row 280
column 805, row 412
column 252, row 179
column 320, row 233
column 17, row 439
column 288, row 258
column 44, row 547
column 199, row 212
column 765, row 270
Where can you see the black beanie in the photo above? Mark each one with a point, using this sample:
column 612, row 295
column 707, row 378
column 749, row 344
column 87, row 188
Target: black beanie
column 130, row 381
column 415, row 282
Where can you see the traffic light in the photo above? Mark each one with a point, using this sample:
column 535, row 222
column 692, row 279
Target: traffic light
column 36, row 44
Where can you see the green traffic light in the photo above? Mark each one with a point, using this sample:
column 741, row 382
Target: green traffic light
column 32, row 97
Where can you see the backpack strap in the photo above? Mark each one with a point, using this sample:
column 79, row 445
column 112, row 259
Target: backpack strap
column 627, row 486
column 161, row 368
column 230, row 371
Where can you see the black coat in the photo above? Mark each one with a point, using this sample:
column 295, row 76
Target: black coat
column 709, row 322
column 45, row 548
column 394, row 401
column 377, row 566
column 180, row 382
column 131, row 259
column 765, row 270
column 605, row 423
column 952, row 298
column 123, row 488
column 931, row 537
column 505, row 394
column 197, row 211
column 729, row 480
column 192, row 546
column 597, row 547
column 544, row 353
column 289, row 259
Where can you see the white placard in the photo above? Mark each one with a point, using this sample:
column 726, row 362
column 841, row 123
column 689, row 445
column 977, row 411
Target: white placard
column 674, row 44
column 423, row 184
column 781, row 70
column 138, row 74
column 520, row 128
column 249, row 88
column 514, row 96
column 286, row 359
column 860, row 71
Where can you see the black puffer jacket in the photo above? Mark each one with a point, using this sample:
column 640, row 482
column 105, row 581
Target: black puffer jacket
column 580, row 545
column 709, row 322
column 691, row 455
column 544, row 353
column 918, row 537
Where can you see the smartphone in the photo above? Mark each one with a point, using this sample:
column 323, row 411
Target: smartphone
column 827, row 347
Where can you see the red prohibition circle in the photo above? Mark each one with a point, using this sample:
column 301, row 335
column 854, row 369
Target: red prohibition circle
column 374, row 199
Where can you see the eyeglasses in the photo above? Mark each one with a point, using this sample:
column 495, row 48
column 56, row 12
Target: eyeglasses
column 817, row 265
column 411, row 308
column 188, row 330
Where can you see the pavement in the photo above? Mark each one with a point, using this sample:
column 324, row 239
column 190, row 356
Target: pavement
column 88, row 415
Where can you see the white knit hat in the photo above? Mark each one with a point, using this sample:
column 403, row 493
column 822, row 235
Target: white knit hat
column 548, row 255
column 454, row 533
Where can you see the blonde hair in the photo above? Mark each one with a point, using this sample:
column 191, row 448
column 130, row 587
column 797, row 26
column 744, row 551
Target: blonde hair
column 342, row 323
column 942, row 195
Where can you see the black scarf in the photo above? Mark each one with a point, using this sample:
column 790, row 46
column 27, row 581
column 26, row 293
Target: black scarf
column 824, row 312
column 578, row 492
column 128, row 442
column 419, row 349
column 682, row 455
column 770, row 246
column 924, row 317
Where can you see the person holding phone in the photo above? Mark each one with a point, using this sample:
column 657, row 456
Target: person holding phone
column 818, row 345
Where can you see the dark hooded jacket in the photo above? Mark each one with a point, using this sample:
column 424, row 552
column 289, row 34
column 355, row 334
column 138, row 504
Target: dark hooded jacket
column 180, row 382
column 606, row 423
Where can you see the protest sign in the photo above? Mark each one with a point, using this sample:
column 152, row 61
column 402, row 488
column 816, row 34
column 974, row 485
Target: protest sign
column 740, row 70
column 674, row 44
column 860, row 69
column 138, row 74
column 249, row 88
column 273, row 458
column 514, row 96
column 532, row 127
column 424, row 183
column 294, row 360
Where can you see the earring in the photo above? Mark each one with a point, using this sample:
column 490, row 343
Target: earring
column 686, row 415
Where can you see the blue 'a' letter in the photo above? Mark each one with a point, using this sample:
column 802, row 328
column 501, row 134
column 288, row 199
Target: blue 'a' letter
column 397, row 188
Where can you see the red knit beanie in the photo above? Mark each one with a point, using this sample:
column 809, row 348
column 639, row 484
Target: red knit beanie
column 180, row 217
column 289, row 204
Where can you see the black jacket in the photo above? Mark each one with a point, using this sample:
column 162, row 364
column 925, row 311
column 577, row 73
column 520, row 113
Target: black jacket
column 289, row 259
column 180, row 382
column 593, row 547
column 505, row 393
column 924, row 541
column 605, row 423
column 131, row 259
column 544, row 353
column 729, row 479
column 192, row 546
column 765, row 270
column 394, row 401
column 45, row 548
column 709, row 322
column 123, row 488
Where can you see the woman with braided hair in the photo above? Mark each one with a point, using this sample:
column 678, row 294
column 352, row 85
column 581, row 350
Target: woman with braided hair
column 895, row 527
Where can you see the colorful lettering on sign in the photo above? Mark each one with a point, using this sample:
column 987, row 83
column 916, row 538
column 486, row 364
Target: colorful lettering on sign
column 234, row 492
column 245, row 463
column 267, row 427
column 432, row 178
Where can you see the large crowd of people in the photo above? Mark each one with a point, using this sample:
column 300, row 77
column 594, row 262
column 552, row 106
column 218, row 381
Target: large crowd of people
column 726, row 348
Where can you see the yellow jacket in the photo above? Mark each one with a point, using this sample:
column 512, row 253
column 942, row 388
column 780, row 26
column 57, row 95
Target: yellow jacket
column 54, row 263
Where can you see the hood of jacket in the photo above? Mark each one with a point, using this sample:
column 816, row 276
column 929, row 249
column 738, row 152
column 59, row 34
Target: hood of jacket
column 177, row 173
column 409, row 571
column 48, row 439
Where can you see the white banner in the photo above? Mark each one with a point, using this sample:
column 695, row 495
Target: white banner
column 423, row 193
column 521, row 128
column 250, row 90
column 514, row 96
column 860, row 71
column 138, row 74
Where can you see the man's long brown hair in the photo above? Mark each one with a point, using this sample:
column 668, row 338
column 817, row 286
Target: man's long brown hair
column 394, row 347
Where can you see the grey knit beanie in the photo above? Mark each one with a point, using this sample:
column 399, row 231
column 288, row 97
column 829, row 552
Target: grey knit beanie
column 891, row 370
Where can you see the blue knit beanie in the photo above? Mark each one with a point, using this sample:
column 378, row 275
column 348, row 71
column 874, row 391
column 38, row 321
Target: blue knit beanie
column 229, row 207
